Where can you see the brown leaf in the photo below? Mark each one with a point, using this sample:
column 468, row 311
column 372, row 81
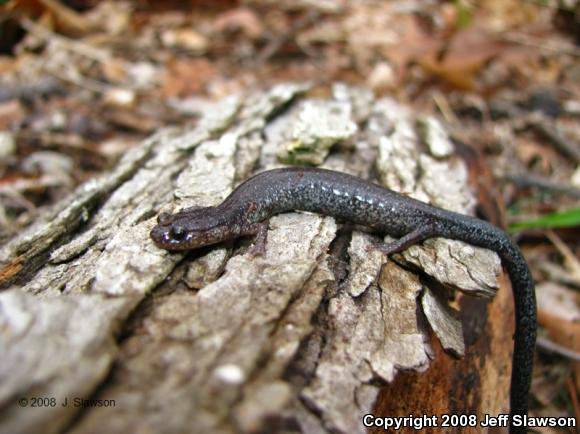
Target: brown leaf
column 67, row 20
column 10, row 113
column 240, row 19
column 187, row 39
column 559, row 313
column 115, row 70
column 187, row 76
column 459, row 72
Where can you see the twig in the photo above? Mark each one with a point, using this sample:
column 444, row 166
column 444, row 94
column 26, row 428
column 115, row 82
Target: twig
column 550, row 346
column 558, row 274
column 62, row 140
column 524, row 180
column 17, row 199
column 275, row 44
column 78, row 47
column 68, row 16
column 551, row 133
column 443, row 105
column 569, row 257
column 522, row 39
column 85, row 83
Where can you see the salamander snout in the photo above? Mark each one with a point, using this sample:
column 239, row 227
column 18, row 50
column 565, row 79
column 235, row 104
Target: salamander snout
column 190, row 229
column 171, row 237
column 172, row 233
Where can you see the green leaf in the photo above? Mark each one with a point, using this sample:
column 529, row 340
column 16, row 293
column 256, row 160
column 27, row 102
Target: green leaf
column 561, row 219
column 464, row 14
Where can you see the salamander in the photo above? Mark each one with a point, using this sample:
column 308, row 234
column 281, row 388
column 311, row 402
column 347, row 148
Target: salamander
column 247, row 209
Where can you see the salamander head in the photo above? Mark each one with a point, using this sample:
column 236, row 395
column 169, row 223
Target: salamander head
column 190, row 229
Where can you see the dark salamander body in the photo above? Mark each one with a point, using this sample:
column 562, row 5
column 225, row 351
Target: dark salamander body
column 246, row 210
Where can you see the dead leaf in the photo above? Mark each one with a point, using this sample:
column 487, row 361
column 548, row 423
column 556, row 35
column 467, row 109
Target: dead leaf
column 559, row 313
column 507, row 14
column 131, row 120
column 459, row 72
column 67, row 20
column 382, row 76
column 186, row 39
column 7, row 146
column 115, row 70
column 113, row 17
column 120, row 97
column 11, row 112
column 533, row 153
column 240, row 19
column 560, row 302
column 187, row 76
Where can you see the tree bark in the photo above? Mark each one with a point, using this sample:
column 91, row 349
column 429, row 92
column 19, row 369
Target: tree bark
column 307, row 338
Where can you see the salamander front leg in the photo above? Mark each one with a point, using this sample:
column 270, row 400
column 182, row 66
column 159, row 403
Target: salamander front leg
column 406, row 241
column 260, row 230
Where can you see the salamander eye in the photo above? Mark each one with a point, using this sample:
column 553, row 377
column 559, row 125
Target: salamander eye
column 164, row 218
column 177, row 232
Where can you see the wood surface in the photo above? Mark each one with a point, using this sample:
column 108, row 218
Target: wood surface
column 308, row 338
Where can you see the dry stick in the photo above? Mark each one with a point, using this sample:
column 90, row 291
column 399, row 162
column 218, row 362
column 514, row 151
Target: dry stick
column 566, row 147
column 67, row 16
column 275, row 44
column 83, row 49
column 8, row 193
column 520, row 38
column 558, row 274
column 443, row 105
column 570, row 259
column 63, row 140
column 78, row 47
column 82, row 82
column 552, row 347
column 524, row 180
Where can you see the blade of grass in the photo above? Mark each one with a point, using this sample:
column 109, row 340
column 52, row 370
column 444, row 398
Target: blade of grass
column 560, row 219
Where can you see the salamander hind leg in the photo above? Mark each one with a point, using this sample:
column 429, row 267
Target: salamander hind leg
column 260, row 230
column 406, row 241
